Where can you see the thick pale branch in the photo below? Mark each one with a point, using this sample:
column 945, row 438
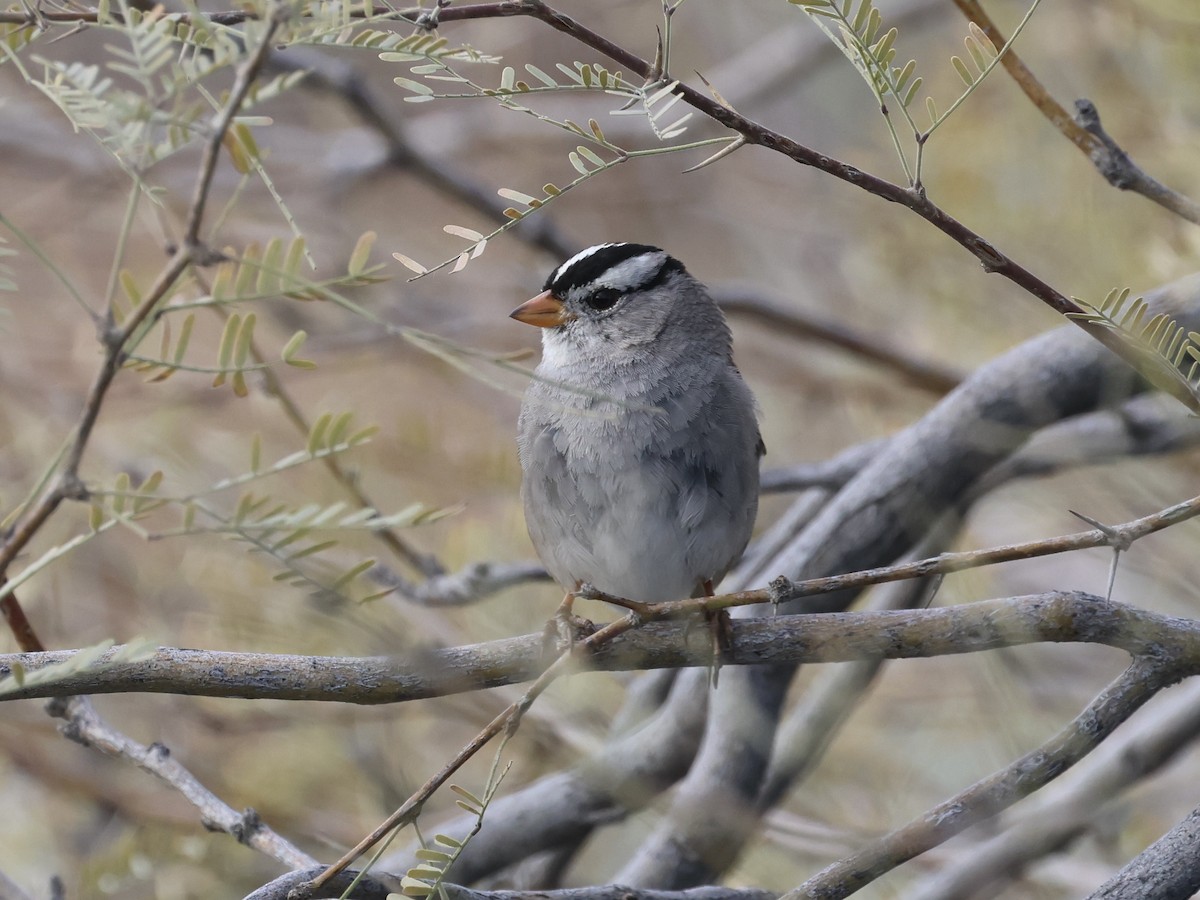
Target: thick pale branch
column 887, row 508
column 372, row 886
column 817, row 638
column 613, row 892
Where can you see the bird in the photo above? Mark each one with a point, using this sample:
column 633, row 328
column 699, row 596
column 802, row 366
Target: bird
column 638, row 438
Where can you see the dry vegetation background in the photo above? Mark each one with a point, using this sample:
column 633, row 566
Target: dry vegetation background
column 324, row 774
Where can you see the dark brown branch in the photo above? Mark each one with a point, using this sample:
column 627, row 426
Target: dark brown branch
column 922, row 374
column 991, row 258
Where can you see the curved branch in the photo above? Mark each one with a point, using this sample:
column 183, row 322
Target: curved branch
column 991, row 258
column 1084, row 130
column 879, row 515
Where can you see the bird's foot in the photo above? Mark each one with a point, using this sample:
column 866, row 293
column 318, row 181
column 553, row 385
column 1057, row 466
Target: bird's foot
column 565, row 629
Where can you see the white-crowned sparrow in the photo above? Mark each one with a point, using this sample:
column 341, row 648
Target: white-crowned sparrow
column 638, row 437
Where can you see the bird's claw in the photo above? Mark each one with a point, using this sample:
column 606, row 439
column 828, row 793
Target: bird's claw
column 564, row 630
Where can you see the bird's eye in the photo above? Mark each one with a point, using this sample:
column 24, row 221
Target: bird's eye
column 602, row 298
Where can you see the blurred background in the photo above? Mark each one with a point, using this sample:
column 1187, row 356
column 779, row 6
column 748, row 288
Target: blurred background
column 322, row 775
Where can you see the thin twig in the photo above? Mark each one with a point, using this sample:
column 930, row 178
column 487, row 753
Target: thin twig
column 507, row 720
column 85, row 726
column 113, row 338
column 990, row 257
column 424, row 563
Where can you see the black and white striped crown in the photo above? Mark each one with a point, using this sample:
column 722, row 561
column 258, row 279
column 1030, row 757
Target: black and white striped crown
column 618, row 266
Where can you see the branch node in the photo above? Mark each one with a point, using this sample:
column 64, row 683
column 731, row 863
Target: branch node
column 431, row 18
column 244, row 829
column 1113, row 162
column 990, row 258
column 779, row 591
column 1116, row 538
column 71, row 487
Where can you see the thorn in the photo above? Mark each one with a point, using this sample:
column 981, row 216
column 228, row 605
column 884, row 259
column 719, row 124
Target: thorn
column 1116, row 539
column 716, row 94
column 1112, row 573
column 729, row 148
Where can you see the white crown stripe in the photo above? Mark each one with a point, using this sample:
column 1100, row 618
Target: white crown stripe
column 582, row 254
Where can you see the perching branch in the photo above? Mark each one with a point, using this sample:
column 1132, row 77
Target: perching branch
column 627, row 645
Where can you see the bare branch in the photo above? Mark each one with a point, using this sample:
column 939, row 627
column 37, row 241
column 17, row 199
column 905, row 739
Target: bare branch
column 989, row 256
column 1072, row 806
column 1169, row 869
column 84, row 726
column 1057, row 616
column 756, row 305
column 1084, row 129
column 880, row 514
column 1136, row 685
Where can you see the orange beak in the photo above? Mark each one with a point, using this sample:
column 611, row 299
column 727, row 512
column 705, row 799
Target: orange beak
column 544, row 311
